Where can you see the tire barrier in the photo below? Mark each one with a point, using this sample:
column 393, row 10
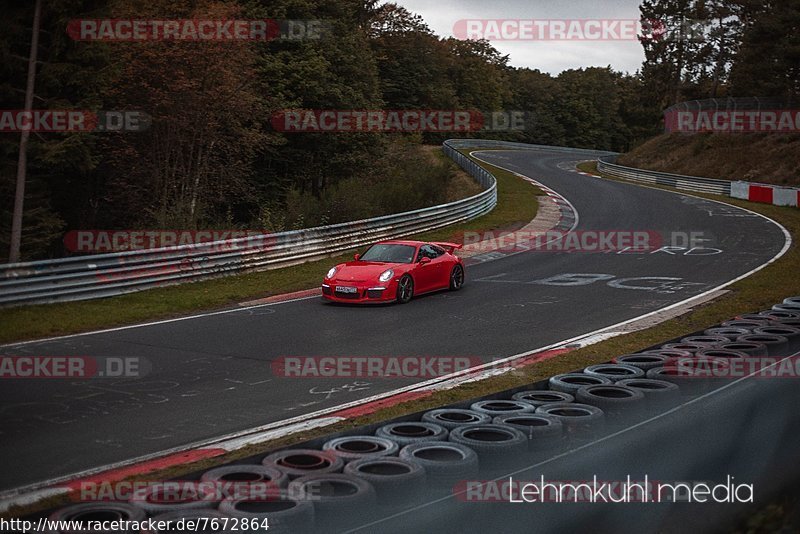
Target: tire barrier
column 539, row 397
column 748, row 347
column 281, row 510
column 659, row 394
column 788, row 304
column 613, row 372
column 778, row 315
column 572, row 382
column 669, row 353
column 153, row 499
column 580, row 421
column 543, row 431
column 106, row 511
column 689, row 380
column 452, row 418
column 497, row 446
column 246, row 473
column 643, row 361
column 691, row 348
column 500, row 407
column 445, row 462
column 754, row 317
column 729, row 332
column 406, row 433
column 790, row 307
column 361, row 477
column 620, row 404
column 776, row 345
column 791, row 334
column 705, row 340
column 299, row 462
column 716, row 353
column 747, row 324
column 335, row 496
column 350, row 448
column 787, row 321
column 396, row 481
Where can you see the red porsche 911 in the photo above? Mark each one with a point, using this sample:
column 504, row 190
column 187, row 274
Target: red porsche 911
column 395, row 271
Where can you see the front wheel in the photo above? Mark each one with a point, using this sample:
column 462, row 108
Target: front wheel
column 456, row 278
column 405, row 289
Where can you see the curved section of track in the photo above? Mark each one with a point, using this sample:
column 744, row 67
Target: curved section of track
column 211, row 374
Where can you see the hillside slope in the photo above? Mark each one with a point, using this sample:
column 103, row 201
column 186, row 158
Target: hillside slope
column 769, row 158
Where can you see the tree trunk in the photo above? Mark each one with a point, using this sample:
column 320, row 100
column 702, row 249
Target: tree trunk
column 22, row 162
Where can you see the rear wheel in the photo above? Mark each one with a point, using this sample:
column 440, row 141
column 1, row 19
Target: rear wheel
column 456, row 278
column 405, row 289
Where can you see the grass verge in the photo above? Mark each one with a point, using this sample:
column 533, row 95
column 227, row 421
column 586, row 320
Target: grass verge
column 516, row 206
column 770, row 285
column 759, row 291
column 766, row 287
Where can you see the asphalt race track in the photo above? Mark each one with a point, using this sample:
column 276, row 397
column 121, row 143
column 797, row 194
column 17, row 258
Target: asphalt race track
column 211, row 375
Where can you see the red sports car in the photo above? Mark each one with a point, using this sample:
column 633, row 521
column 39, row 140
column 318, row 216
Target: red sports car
column 395, row 271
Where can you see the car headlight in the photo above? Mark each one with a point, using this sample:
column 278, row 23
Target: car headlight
column 331, row 273
column 386, row 275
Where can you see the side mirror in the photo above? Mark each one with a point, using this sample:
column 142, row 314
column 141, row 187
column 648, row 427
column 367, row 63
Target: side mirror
column 424, row 260
column 356, row 257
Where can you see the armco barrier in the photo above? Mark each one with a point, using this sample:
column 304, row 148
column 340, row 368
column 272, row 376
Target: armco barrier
column 754, row 192
column 489, row 143
column 104, row 275
column 687, row 183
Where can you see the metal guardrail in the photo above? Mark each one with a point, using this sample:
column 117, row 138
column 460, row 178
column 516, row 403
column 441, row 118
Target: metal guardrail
column 104, row 275
column 489, row 143
column 606, row 165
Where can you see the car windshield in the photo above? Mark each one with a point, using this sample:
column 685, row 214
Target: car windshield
column 389, row 253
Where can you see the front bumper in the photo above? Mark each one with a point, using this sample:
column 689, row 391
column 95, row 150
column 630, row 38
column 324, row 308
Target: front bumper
column 365, row 293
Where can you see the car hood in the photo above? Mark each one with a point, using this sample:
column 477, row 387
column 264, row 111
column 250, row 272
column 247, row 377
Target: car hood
column 362, row 271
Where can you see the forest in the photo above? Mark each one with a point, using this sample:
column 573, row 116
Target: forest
column 212, row 158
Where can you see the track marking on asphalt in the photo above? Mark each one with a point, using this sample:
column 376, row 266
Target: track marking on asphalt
column 281, row 426
column 153, row 323
column 251, row 309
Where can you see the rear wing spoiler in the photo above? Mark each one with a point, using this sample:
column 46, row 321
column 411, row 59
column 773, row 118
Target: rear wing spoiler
column 449, row 247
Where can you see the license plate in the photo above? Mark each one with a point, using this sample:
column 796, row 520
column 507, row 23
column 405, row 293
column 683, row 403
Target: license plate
column 345, row 289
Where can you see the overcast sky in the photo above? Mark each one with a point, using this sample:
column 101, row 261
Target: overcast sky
column 547, row 56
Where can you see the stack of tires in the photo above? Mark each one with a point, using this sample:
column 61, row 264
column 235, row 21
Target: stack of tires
column 354, row 480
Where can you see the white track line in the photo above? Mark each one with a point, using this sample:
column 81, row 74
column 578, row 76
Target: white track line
column 418, row 386
column 221, row 312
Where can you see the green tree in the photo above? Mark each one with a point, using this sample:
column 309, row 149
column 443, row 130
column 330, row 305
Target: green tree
column 768, row 62
column 70, row 75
